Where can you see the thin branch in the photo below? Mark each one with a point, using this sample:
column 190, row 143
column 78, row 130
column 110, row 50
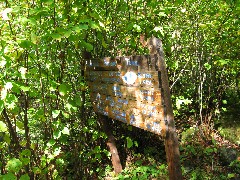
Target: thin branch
column 180, row 74
column 11, row 130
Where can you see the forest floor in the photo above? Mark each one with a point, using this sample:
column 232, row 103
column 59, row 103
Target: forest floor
column 215, row 157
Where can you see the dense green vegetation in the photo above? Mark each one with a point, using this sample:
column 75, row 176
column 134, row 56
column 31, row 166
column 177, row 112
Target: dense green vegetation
column 48, row 129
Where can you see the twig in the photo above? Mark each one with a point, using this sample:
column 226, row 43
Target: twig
column 180, row 74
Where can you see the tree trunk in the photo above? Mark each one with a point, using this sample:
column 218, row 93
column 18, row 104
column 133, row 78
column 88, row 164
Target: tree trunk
column 13, row 134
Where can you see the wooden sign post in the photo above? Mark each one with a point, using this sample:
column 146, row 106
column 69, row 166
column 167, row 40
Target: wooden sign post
column 135, row 90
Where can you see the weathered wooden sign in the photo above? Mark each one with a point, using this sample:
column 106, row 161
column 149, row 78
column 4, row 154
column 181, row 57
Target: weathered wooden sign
column 135, row 90
column 128, row 89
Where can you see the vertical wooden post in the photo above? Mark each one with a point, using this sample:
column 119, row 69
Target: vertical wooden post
column 171, row 140
column 111, row 143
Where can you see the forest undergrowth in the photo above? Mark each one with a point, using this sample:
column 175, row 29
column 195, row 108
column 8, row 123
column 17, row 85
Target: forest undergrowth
column 214, row 157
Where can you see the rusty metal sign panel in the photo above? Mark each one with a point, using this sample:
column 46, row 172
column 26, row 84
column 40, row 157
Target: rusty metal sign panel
column 128, row 89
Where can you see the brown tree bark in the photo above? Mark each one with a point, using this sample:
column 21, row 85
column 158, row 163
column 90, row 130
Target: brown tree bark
column 13, row 134
column 111, row 144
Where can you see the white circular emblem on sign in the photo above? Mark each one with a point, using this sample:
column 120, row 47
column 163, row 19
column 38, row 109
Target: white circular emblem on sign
column 130, row 78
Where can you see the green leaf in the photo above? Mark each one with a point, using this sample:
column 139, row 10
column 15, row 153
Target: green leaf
column 14, row 165
column 231, row 175
column 67, row 33
column 20, row 125
column 60, row 162
column 26, row 152
column 71, row 107
column 207, row 66
column 56, row 36
column 34, row 38
column 64, row 139
column 66, row 115
column 53, row 85
column 25, row 161
column 129, row 142
column 94, row 25
column 181, row 100
column 3, row 127
column 224, row 101
column 24, row 88
column 32, row 21
column 88, row 46
column 1, row 106
column 136, row 143
column 36, row 170
column 83, row 26
column 51, row 142
column 7, row 139
column 65, row 131
column 224, row 109
column 223, row 61
column 55, row 113
column 160, row 29
column 137, row 28
column 16, row 87
column 80, row 27
column 25, row 177
column 98, row 156
column 130, row 128
column 48, row 2
column 11, row 101
column 25, row 44
column 104, row 44
column 63, row 89
column 9, row 176
column 78, row 101
column 57, row 151
column 209, row 150
column 162, row 14
column 56, row 134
